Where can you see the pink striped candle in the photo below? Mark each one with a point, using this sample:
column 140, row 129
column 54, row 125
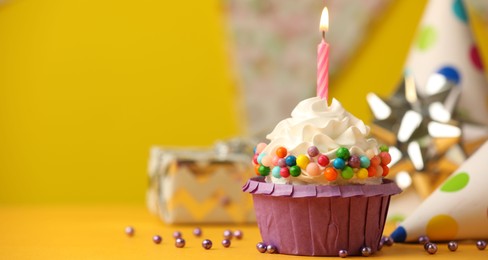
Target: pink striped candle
column 323, row 59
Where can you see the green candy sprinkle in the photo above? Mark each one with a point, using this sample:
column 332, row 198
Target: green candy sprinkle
column 295, row 171
column 343, row 153
column 384, row 148
column 263, row 170
column 347, row 173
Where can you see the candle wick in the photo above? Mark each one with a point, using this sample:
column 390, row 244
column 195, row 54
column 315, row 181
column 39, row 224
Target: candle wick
column 323, row 35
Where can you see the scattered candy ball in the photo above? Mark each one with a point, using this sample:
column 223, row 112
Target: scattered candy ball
column 481, row 244
column 260, row 147
column 295, row 171
column 313, row 169
column 263, row 170
column 282, row 163
column 354, row 161
column 313, row 151
column 291, row 160
column 385, row 170
column 157, row 239
column 261, row 247
column 364, row 161
column 362, row 173
column 285, row 172
column 366, row 251
column 330, row 174
column 238, row 234
column 180, row 243
column 276, row 172
column 281, row 152
column 207, row 244
column 343, row 253
column 227, row 234
column 384, row 148
column 385, row 158
column 271, row 249
column 129, row 231
column 372, row 171
column 347, row 173
column 302, row 161
column 423, row 240
column 452, row 246
column 177, row 234
column 339, row 163
column 197, row 232
column 226, row 242
column 431, row 248
column 375, row 161
column 387, row 241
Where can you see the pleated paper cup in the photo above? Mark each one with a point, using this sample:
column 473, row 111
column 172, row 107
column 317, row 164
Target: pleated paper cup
column 321, row 220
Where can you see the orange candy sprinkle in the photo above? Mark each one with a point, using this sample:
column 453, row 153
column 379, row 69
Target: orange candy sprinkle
column 371, row 171
column 375, row 161
column 385, row 158
column 256, row 169
column 386, row 170
column 281, row 152
column 330, row 174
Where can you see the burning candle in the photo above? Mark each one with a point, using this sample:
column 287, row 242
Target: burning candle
column 323, row 58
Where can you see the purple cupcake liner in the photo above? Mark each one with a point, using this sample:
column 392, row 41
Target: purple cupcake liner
column 321, row 220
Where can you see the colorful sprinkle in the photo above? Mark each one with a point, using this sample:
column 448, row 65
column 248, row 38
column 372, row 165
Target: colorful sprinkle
column 426, row 38
column 267, row 161
column 384, row 148
column 385, row 170
column 226, row 243
column 375, row 161
column 313, row 151
column 281, row 152
column 295, row 171
column 455, row 183
column 256, row 169
column 291, row 160
column 276, row 172
column 260, row 147
column 343, row 153
column 255, row 159
column 362, row 173
column 207, row 244
column 330, row 174
column 180, row 243
column 354, row 161
column 275, row 160
column 285, row 172
column 385, row 158
column 364, row 161
column 347, row 173
column 371, row 171
column 339, row 163
column 323, row 160
column 157, row 239
column 263, row 170
column 302, row 161
column 313, row 169
column 282, row 162
column 261, row 247
column 260, row 158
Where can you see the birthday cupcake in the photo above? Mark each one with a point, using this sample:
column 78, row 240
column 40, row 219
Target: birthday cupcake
column 321, row 189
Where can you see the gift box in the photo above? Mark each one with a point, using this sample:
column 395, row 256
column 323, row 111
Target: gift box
column 190, row 185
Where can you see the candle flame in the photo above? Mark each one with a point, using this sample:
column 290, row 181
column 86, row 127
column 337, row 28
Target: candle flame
column 324, row 20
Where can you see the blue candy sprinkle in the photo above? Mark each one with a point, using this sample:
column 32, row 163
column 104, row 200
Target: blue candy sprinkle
column 276, row 172
column 291, row 160
column 339, row 163
column 399, row 235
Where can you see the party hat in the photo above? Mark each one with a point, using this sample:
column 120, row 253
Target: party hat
column 457, row 210
column 446, row 48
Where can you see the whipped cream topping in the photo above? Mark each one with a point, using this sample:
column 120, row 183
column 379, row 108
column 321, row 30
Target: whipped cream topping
column 314, row 123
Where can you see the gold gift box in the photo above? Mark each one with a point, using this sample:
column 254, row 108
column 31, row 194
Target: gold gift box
column 200, row 185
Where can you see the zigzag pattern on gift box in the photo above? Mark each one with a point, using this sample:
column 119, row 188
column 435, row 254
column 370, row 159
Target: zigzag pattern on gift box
column 189, row 198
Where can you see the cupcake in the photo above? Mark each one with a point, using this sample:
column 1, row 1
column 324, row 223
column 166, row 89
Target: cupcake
column 321, row 186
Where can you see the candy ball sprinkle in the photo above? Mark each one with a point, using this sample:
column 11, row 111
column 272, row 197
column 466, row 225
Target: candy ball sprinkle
column 431, row 248
column 129, row 231
column 197, row 232
column 366, row 251
column 261, row 247
column 238, row 234
column 342, row 253
column 227, row 234
column 157, row 239
column 452, row 246
column 271, row 249
column 481, row 244
column 423, row 240
column 180, row 243
column 387, row 241
column 226, row 243
column 207, row 244
column 177, row 234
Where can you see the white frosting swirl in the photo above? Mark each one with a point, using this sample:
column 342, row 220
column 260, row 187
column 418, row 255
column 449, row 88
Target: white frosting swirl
column 314, row 123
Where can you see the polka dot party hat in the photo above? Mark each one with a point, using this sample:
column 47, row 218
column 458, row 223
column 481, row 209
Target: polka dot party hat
column 457, row 210
column 445, row 49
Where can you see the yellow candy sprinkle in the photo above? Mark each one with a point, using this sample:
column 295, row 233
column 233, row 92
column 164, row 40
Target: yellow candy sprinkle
column 302, row 161
column 362, row 173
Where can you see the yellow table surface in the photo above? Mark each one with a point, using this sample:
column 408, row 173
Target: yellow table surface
column 97, row 232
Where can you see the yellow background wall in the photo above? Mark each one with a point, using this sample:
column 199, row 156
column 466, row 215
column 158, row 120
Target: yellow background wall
column 86, row 87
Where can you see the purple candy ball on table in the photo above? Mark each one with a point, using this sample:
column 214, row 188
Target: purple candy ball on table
column 452, row 246
column 238, row 234
column 271, row 249
column 207, row 244
column 261, row 247
column 366, row 251
column 197, row 232
column 431, row 248
column 157, row 239
column 129, row 231
column 481, row 244
column 423, row 240
column 180, row 243
column 387, row 241
column 227, row 234
column 177, row 234
column 226, row 242
column 342, row 253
